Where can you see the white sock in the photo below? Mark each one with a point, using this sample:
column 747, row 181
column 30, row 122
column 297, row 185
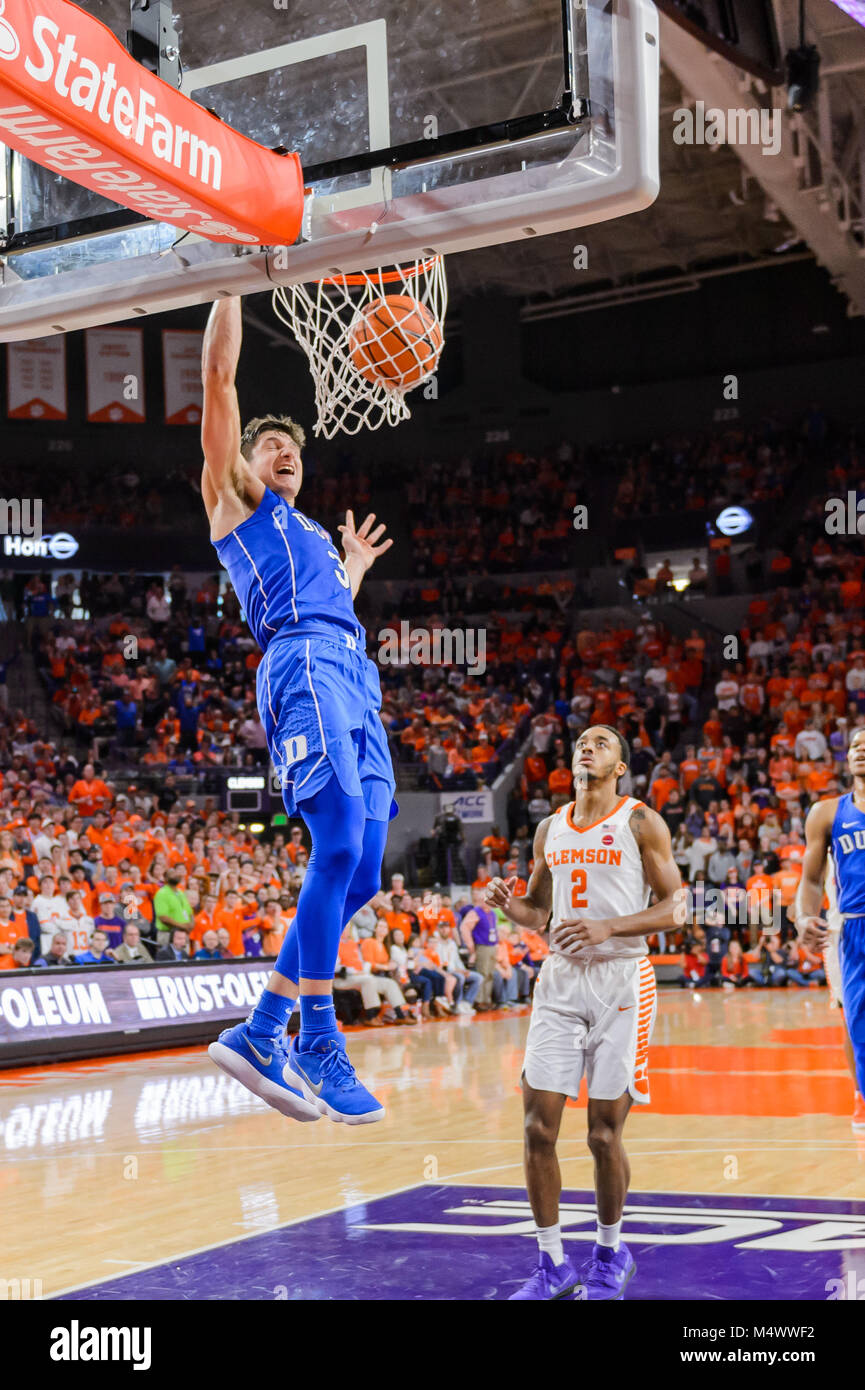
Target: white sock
column 609, row 1236
column 550, row 1242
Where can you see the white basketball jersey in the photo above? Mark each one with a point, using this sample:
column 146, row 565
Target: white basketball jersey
column 597, row 872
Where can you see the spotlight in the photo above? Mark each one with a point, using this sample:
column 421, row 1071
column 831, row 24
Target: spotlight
column 803, row 76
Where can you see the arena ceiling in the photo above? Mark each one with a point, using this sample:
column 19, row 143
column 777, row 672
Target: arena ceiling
column 715, row 212
column 711, row 213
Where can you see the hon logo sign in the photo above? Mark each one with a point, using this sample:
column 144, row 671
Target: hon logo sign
column 73, row 100
column 733, row 521
column 60, row 546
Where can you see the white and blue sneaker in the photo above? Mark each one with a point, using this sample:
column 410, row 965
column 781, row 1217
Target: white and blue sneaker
column 328, row 1081
column 258, row 1064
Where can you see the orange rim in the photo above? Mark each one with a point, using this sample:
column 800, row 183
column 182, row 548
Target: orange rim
column 384, row 277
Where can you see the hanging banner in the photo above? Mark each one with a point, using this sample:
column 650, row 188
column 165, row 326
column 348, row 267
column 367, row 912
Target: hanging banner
column 36, row 379
column 181, row 371
column 115, row 375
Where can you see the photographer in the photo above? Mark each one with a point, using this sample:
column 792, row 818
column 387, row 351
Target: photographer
column 448, row 836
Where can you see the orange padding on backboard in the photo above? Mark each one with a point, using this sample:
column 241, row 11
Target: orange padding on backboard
column 73, row 100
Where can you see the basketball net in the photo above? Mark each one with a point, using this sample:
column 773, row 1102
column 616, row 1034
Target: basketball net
column 365, row 355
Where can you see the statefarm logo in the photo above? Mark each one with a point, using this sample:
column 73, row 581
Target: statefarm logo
column 9, row 45
column 79, row 96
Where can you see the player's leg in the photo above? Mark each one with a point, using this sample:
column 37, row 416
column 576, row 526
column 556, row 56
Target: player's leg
column 851, row 953
column 317, row 1057
column 256, row 1052
column 365, row 883
column 555, row 1276
column 832, row 966
column 542, row 1111
column 857, row 1121
column 617, row 1075
column 552, row 1071
column 611, row 1265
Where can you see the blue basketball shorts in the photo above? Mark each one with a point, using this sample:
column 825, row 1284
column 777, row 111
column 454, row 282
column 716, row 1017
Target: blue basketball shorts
column 319, row 699
column 851, row 956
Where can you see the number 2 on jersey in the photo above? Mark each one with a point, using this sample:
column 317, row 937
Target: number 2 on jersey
column 579, row 880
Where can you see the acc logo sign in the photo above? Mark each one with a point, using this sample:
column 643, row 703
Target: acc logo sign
column 9, row 45
column 470, row 805
column 732, row 521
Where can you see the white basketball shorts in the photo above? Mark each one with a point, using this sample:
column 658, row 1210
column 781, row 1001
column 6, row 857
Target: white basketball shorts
column 832, row 966
column 592, row 1017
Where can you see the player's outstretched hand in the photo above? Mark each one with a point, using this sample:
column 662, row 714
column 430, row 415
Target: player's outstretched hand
column 364, row 541
column 570, row 937
column 500, row 892
column 813, row 933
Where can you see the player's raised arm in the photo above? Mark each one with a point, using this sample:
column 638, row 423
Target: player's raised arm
column 220, row 421
column 534, row 907
column 811, row 927
column 662, row 874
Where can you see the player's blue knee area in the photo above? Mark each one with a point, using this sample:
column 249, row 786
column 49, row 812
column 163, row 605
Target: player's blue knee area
column 365, row 883
column 366, row 880
column 336, row 824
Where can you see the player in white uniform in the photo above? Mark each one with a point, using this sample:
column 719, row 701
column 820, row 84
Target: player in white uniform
column 597, row 863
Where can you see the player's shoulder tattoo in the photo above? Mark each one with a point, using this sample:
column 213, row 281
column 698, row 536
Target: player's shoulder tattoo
column 642, row 821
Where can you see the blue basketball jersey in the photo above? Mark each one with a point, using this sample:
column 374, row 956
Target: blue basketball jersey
column 848, row 854
column 286, row 572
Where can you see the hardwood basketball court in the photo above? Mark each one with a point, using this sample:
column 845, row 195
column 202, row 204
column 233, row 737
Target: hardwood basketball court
column 157, row 1176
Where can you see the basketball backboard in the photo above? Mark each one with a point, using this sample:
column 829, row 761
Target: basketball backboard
column 495, row 120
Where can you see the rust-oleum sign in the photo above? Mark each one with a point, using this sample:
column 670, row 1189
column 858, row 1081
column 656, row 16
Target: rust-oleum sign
column 125, row 1005
column 73, row 100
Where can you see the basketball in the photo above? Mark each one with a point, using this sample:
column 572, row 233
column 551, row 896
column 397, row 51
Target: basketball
column 395, row 341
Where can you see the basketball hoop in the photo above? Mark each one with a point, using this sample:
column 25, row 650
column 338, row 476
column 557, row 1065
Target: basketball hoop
column 370, row 338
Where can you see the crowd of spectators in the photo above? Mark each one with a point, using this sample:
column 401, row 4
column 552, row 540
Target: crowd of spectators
column 730, row 753
column 107, row 879
column 164, row 676
column 726, row 468
column 157, row 674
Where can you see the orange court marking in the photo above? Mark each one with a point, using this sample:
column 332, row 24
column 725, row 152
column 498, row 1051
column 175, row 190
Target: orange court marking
column 696, row 1079
column 829, row 1036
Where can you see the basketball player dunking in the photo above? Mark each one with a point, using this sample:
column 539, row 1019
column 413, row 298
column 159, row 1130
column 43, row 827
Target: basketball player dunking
column 597, row 861
column 836, row 826
column 319, row 697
